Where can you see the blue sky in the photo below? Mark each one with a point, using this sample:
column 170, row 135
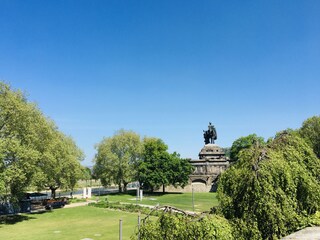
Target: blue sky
column 165, row 68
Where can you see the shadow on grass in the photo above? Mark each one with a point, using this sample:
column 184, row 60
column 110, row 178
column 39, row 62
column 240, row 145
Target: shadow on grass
column 13, row 219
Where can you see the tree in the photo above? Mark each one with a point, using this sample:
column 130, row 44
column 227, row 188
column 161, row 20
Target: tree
column 179, row 171
column 29, row 142
column 116, row 158
column 227, row 151
column 158, row 168
column 276, row 184
column 152, row 167
column 310, row 131
column 61, row 168
column 86, row 174
column 20, row 123
column 244, row 143
column 181, row 227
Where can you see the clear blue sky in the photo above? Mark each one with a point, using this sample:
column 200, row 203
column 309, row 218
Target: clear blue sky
column 165, row 68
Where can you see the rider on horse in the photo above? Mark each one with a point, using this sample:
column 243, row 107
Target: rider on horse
column 210, row 135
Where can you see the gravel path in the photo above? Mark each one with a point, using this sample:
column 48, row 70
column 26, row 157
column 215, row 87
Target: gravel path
column 78, row 204
column 309, row 233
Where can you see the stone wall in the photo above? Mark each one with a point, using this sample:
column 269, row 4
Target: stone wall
column 197, row 187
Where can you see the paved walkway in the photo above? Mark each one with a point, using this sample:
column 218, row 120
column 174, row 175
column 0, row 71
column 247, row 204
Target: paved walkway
column 78, row 204
column 309, row 233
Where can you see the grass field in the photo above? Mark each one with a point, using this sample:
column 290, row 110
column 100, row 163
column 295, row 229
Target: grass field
column 70, row 224
column 84, row 223
column 202, row 201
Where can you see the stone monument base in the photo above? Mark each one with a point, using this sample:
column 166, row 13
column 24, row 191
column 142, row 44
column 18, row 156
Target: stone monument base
column 211, row 163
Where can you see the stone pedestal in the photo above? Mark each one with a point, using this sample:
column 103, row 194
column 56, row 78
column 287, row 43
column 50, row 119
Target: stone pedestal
column 212, row 161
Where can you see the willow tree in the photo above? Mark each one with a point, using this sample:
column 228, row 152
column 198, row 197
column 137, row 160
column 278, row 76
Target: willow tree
column 116, row 159
column 271, row 190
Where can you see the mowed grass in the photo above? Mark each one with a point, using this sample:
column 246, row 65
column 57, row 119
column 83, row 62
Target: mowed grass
column 203, row 201
column 71, row 223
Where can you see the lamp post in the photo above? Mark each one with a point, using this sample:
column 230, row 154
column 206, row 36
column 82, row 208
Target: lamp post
column 192, row 199
column 120, row 229
column 141, row 192
column 138, row 192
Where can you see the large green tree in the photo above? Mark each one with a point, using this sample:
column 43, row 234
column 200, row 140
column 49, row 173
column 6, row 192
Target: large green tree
column 310, row 131
column 271, row 190
column 20, row 123
column 28, row 142
column 158, row 168
column 60, row 164
column 153, row 165
column 179, row 171
column 116, row 158
column 244, row 143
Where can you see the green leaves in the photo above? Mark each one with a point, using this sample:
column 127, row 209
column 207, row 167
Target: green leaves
column 159, row 168
column 116, row 158
column 310, row 131
column 123, row 158
column 276, row 184
column 244, row 143
column 32, row 150
column 172, row 226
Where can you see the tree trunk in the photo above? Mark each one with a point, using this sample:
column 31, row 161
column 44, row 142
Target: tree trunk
column 53, row 191
column 163, row 188
column 125, row 187
column 120, row 188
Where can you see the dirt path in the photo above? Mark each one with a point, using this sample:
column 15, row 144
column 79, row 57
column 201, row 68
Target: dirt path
column 78, row 204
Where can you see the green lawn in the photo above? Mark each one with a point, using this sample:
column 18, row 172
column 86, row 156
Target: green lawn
column 202, row 201
column 96, row 223
column 71, row 223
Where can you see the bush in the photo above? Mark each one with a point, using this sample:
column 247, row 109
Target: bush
column 172, row 226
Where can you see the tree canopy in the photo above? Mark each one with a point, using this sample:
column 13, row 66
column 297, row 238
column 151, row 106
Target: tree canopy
column 244, row 143
column 116, row 158
column 124, row 158
column 31, row 148
column 158, row 168
column 310, row 131
column 277, row 184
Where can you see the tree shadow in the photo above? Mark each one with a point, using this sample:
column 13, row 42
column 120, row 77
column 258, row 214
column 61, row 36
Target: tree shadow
column 13, row 219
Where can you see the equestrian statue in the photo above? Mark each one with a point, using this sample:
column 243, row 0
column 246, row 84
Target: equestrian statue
column 210, row 135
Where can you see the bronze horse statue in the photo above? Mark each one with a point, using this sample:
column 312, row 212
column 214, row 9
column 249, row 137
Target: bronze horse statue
column 210, row 135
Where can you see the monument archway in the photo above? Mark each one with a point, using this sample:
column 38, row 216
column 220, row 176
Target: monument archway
column 199, row 181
